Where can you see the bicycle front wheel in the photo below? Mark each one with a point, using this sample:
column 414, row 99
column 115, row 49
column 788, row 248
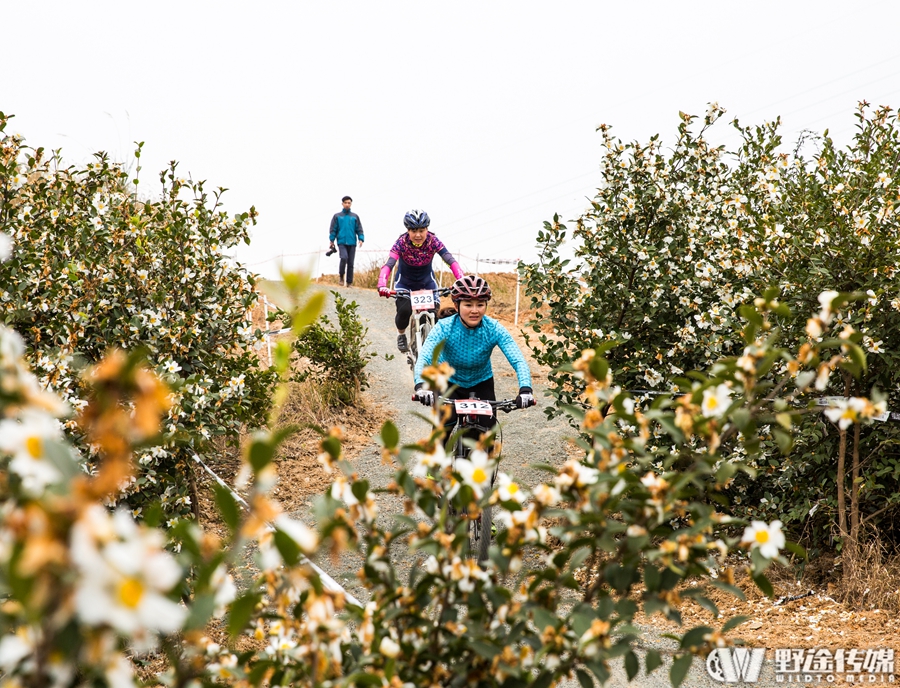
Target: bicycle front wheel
column 480, row 535
column 413, row 354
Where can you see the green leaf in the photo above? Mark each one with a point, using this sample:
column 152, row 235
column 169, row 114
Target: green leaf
column 390, row 436
column 228, row 506
column 483, row 649
column 763, row 584
column 734, row 622
column 578, row 557
column 796, row 549
column 201, row 610
column 584, row 678
column 543, row 618
column 632, row 666
column 287, row 547
column 599, row 368
column 241, row 611
column 680, row 668
column 307, row 315
column 695, row 637
column 651, row 578
column 784, row 440
column 653, row 661
column 261, row 454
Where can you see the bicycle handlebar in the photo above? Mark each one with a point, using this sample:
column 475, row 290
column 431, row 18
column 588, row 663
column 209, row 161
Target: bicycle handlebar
column 505, row 405
column 404, row 293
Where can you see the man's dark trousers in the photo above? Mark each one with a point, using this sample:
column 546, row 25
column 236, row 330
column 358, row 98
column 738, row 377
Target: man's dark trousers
column 348, row 255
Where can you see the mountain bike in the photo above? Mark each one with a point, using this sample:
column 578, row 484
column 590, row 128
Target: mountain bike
column 473, row 417
column 425, row 303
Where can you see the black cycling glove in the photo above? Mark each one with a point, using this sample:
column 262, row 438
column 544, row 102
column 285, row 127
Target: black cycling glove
column 525, row 398
column 424, row 396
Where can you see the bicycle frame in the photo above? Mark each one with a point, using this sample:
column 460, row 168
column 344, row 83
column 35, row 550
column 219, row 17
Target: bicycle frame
column 420, row 324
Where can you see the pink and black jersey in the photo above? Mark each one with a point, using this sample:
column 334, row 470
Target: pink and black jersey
column 414, row 271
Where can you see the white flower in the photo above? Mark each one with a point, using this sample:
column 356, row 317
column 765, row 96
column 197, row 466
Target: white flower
column 125, row 573
column 433, row 463
column 546, row 495
column 844, row 414
column 825, row 300
column 226, row 591
column 873, row 346
column 389, row 647
column 476, row 471
column 465, row 573
column 100, row 204
column 768, row 538
column 508, row 490
column 5, row 246
column 716, row 401
column 299, row 532
column 26, row 441
column 226, row 667
column 342, row 490
column 432, row 566
column 576, row 473
column 171, row 366
column 814, row 328
column 16, row 647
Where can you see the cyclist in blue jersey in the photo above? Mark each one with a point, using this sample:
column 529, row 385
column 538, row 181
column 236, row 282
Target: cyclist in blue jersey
column 469, row 338
column 413, row 253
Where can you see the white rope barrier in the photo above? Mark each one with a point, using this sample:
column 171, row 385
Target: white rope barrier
column 327, row 581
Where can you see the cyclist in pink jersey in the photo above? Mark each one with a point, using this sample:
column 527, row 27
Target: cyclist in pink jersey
column 413, row 253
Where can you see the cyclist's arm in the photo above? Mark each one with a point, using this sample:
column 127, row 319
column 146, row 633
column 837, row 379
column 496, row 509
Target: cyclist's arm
column 385, row 273
column 514, row 355
column 452, row 262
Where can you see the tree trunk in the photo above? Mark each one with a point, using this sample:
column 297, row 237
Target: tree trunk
column 839, row 480
column 850, row 554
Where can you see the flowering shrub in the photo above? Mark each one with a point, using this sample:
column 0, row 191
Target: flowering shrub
column 574, row 560
column 675, row 243
column 335, row 356
column 92, row 265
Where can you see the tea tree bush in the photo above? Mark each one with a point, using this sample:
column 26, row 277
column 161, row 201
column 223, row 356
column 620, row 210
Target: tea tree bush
column 833, row 225
column 93, row 265
column 335, row 357
column 81, row 583
column 675, row 241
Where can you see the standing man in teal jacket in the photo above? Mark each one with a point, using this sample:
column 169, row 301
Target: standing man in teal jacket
column 345, row 228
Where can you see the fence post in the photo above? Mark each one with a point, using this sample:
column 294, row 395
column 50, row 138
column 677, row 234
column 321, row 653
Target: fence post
column 518, row 279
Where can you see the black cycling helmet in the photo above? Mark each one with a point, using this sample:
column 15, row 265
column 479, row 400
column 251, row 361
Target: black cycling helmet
column 470, row 288
column 416, row 219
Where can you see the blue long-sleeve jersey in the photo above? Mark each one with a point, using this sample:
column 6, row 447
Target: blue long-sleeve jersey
column 469, row 351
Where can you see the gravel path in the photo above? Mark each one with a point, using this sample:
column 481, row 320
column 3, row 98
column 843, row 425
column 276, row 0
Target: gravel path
column 528, row 438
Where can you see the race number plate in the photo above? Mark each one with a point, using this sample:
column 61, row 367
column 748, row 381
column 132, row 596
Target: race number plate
column 473, row 406
column 422, row 300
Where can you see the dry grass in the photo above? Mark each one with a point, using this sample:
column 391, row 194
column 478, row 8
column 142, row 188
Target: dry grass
column 365, row 274
column 874, row 582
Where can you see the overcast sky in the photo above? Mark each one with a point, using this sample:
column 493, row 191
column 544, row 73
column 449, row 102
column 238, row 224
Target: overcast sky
column 481, row 113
